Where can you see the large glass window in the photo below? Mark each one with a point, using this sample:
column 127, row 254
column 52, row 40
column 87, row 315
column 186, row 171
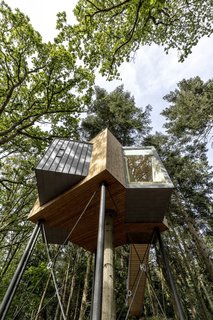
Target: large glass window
column 143, row 167
column 139, row 168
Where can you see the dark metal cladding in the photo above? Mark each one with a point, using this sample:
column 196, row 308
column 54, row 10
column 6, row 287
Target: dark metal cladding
column 146, row 205
column 56, row 235
column 63, row 165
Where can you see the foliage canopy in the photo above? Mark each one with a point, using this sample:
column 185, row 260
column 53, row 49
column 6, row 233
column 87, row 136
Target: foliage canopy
column 190, row 111
column 43, row 84
column 40, row 83
column 117, row 112
column 110, row 32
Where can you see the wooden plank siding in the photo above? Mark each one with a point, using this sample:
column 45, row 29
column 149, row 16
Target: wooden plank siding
column 133, row 219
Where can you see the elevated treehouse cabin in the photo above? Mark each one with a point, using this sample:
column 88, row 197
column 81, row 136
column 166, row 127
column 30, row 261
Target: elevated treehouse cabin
column 138, row 190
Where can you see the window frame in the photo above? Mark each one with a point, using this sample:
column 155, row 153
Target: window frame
column 164, row 182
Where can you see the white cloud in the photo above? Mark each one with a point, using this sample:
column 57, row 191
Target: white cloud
column 42, row 13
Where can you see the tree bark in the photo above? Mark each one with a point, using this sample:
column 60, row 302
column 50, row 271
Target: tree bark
column 77, row 303
column 86, row 286
column 202, row 249
column 204, row 252
column 65, row 287
column 201, row 308
column 42, row 299
column 108, row 298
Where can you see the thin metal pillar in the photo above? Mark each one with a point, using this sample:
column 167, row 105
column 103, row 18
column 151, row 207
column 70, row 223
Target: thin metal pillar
column 170, row 277
column 18, row 274
column 93, row 286
column 97, row 296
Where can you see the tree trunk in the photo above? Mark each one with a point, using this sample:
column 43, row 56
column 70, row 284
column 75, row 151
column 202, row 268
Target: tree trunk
column 202, row 249
column 77, row 303
column 207, row 294
column 42, row 298
column 57, row 312
column 204, row 252
column 192, row 272
column 65, row 287
column 108, row 299
column 86, row 285
column 72, row 285
column 153, row 305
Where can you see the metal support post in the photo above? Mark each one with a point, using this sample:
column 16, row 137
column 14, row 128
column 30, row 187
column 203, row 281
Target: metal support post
column 170, row 277
column 97, row 296
column 8, row 298
column 93, row 285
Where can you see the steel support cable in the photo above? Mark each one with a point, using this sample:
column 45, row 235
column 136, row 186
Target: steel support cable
column 3, row 307
column 75, row 225
column 135, row 290
column 149, row 278
column 114, row 203
column 53, row 261
column 50, row 264
column 27, row 293
column 161, row 308
column 37, row 283
column 141, row 261
column 158, row 301
column 50, row 299
column 22, row 296
column 139, row 274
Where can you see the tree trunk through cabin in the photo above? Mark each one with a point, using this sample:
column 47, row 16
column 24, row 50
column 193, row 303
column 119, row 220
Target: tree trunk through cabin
column 108, row 297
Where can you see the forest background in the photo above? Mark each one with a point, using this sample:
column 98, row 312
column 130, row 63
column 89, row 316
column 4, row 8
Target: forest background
column 45, row 84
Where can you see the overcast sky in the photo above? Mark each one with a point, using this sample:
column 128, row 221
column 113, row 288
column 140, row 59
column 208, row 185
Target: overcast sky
column 153, row 73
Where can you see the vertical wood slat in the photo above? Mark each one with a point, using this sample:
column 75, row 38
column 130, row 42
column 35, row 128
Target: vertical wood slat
column 138, row 257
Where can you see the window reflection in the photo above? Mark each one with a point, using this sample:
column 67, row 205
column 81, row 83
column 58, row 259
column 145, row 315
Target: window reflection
column 139, row 168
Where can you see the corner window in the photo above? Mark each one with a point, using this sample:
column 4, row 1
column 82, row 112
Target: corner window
column 139, row 168
column 143, row 166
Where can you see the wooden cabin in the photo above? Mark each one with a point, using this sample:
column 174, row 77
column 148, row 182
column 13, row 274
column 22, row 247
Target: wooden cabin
column 138, row 190
column 70, row 173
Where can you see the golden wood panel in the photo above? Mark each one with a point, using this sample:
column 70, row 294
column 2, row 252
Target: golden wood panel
column 106, row 165
column 137, row 277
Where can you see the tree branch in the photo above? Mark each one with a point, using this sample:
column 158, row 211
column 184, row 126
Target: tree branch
column 17, row 129
column 17, row 84
column 99, row 10
column 131, row 32
column 25, row 133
